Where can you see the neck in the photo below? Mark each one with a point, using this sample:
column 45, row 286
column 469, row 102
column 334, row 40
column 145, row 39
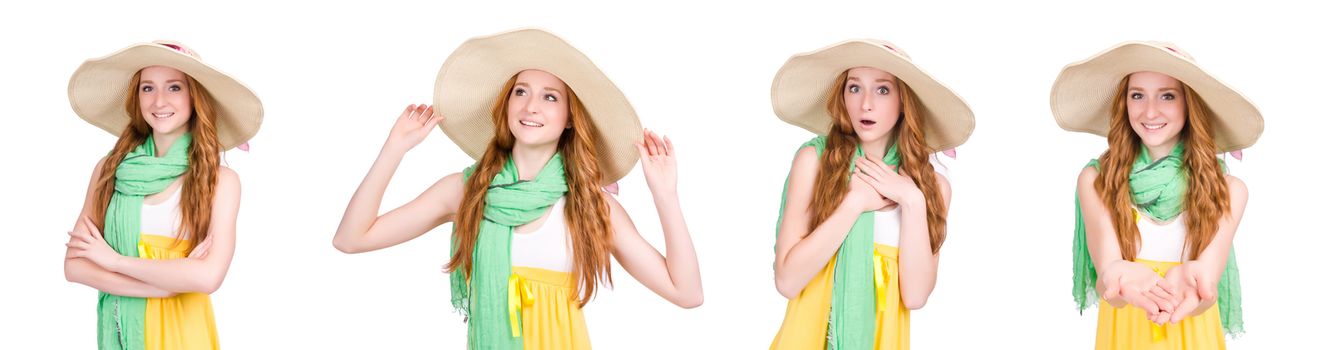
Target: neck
column 163, row 141
column 877, row 149
column 531, row 158
column 1161, row 151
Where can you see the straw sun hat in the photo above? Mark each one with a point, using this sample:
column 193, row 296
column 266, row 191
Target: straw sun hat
column 98, row 89
column 1084, row 92
column 799, row 91
column 470, row 79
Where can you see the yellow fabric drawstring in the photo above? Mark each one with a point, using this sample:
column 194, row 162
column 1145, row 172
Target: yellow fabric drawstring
column 1156, row 330
column 519, row 294
column 880, row 279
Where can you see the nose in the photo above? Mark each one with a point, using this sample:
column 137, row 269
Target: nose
column 156, row 102
column 866, row 104
column 1153, row 110
column 530, row 106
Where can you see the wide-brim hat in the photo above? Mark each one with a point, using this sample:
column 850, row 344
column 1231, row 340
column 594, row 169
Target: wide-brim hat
column 98, row 89
column 470, row 80
column 1084, row 93
column 799, row 91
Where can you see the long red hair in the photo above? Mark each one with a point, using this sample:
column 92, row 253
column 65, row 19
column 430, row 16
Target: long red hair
column 586, row 212
column 833, row 182
column 1206, row 200
column 200, row 179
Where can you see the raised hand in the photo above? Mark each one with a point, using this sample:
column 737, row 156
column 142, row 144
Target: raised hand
column 658, row 163
column 412, row 127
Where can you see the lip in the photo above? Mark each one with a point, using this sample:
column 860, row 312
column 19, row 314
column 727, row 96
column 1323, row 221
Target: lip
column 530, row 123
column 1153, row 127
column 867, row 123
column 163, row 115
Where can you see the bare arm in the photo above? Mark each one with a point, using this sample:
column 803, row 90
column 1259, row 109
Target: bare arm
column 83, row 271
column 1120, row 282
column 918, row 264
column 801, row 254
column 362, row 228
column 675, row 275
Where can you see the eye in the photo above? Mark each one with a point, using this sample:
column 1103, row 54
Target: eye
column 551, row 98
column 519, row 92
column 882, row 90
column 145, row 88
column 1168, row 97
column 1135, row 95
column 854, row 89
column 174, row 88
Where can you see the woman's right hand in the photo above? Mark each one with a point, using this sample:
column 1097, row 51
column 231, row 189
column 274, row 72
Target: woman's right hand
column 1140, row 286
column 412, row 127
column 864, row 197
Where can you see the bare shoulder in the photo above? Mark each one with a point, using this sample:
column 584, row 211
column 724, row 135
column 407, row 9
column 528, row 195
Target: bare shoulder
column 944, row 187
column 1237, row 190
column 228, row 182
column 616, row 209
column 1087, row 178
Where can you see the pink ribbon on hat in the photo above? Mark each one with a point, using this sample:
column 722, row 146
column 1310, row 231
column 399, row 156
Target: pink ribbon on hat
column 1237, row 154
column 951, row 152
column 244, row 147
column 612, row 188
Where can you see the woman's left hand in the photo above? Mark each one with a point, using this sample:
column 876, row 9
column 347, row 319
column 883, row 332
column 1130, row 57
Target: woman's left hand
column 88, row 243
column 896, row 187
column 1198, row 289
column 657, row 154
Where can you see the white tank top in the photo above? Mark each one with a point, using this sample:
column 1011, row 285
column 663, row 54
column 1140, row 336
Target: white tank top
column 162, row 219
column 1162, row 242
column 887, row 227
column 541, row 248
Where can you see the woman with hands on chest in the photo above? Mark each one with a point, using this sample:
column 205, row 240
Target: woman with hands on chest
column 864, row 212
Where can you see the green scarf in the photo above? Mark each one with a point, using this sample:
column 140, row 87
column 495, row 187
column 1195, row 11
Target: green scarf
column 141, row 173
column 509, row 203
column 853, row 302
column 1158, row 189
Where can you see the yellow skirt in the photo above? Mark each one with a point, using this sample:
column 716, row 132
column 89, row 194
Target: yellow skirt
column 551, row 318
column 184, row 321
column 1127, row 327
column 805, row 325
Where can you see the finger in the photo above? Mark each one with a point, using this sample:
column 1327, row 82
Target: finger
column 1162, row 303
column 407, row 113
column 669, row 146
column 1111, row 290
column 92, row 228
column 1171, row 299
column 420, row 112
column 641, row 151
column 651, row 143
column 434, row 119
column 1185, row 309
column 871, row 167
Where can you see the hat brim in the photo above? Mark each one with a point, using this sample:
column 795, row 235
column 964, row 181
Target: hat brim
column 98, row 89
column 472, row 77
column 1083, row 94
column 799, row 91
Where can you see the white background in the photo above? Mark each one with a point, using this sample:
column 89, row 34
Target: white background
column 333, row 78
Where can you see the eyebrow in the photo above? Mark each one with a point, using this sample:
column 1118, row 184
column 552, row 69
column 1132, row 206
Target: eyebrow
column 143, row 81
column 546, row 89
column 1137, row 88
column 878, row 80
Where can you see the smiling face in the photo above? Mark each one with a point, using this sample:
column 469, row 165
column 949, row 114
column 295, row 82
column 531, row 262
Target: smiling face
column 164, row 101
column 1156, row 108
column 537, row 108
column 872, row 102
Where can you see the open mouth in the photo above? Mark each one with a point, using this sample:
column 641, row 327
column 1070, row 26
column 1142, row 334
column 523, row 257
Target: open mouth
column 1153, row 126
column 866, row 122
column 163, row 115
column 530, row 123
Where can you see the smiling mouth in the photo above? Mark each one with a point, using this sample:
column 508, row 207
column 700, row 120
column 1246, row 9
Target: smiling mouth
column 530, row 123
column 163, row 115
column 1153, row 126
